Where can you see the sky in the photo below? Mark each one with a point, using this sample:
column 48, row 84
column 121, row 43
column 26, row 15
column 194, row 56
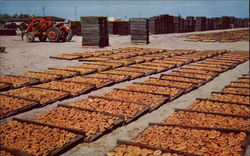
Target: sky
column 125, row 9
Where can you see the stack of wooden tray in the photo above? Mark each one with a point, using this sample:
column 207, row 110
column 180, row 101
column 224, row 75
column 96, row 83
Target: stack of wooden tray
column 139, row 30
column 94, row 31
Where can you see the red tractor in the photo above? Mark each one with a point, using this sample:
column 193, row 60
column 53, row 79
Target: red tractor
column 46, row 27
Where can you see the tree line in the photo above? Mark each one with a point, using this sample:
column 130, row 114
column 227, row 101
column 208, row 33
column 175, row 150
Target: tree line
column 5, row 16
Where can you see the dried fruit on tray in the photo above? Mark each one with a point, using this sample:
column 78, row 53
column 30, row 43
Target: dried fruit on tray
column 43, row 77
column 207, row 120
column 95, row 66
column 72, row 87
column 157, row 81
column 177, row 63
column 139, row 151
column 223, row 60
column 10, row 104
column 128, row 110
column 205, row 68
column 230, row 98
column 155, row 89
column 38, row 94
column 182, row 51
column 82, row 71
column 88, row 54
column 89, row 122
column 132, row 75
column 197, row 141
column 192, row 57
column 125, row 62
column 98, row 82
column 5, row 153
column 197, row 71
column 107, row 52
column 215, row 65
column 245, row 91
column 159, row 64
column 178, row 78
column 145, row 71
column 177, row 60
column 16, row 81
column 226, row 36
column 246, row 76
column 235, row 84
column 235, row 58
column 64, row 73
column 219, row 62
column 33, row 139
column 136, row 60
column 122, row 55
column 220, row 107
column 84, row 54
column 144, row 58
column 150, row 99
column 195, row 75
column 243, row 80
column 66, row 56
column 116, row 77
column 4, row 85
column 157, row 68
column 96, row 59
column 112, row 64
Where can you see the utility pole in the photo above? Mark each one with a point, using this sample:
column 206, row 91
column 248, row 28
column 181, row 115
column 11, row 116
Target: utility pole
column 75, row 13
column 179, row 12
column 139, row 14
column 43, row 8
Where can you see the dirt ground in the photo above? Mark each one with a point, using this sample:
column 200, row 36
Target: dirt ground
column 22, row 57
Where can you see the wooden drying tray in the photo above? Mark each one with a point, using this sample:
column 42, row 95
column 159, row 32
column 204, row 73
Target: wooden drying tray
column 78, row 139
column 165, row 150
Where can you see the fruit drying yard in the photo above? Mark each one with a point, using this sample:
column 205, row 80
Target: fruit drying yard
column 170, row 97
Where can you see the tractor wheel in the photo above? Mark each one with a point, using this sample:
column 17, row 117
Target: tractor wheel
column 54, row 34
column 69, row 35
column 42, row 38
column 30, row 37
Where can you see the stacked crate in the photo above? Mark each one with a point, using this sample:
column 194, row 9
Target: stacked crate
column 208, row 23
column 241, row 22
column 176, row 21
column 200, row 24
column 171, row 24
column 111, row 27
column 236, row 22
column 182, row 27
column 123, row 28
column 154, row 25
column 166, row 23
column 224, row 22
column 246, row 22
column 75, row 26
column 189, row 24
column 94, row 31
column 231, row 22
column 139, row 29
column 216, row 23
column 161, row 24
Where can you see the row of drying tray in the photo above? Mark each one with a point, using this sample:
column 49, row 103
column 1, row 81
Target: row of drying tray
column 114, row 54
column 30, row 78
column 58, row 118
column 58, row 90
column 209, row 126
column 227, row 36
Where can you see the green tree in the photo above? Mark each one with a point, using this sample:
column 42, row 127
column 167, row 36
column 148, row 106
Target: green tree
column 4, row 16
